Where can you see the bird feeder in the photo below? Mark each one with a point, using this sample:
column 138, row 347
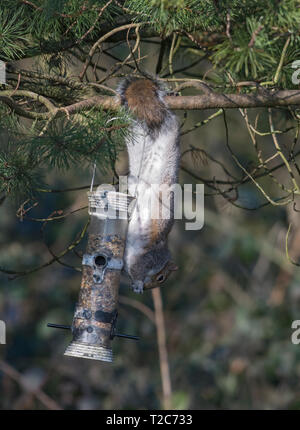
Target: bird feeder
column 95, row 316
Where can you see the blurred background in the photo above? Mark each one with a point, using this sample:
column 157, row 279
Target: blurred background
column 228, row 309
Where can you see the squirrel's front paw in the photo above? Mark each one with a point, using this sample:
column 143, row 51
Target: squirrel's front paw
column 138, row 287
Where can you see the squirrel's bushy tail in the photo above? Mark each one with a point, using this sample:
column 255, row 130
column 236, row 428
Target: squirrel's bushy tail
column 144, row 98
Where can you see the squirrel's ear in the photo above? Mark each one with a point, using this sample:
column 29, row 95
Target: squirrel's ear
column 172, row 266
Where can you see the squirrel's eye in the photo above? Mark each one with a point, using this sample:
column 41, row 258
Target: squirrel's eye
column 160, row 278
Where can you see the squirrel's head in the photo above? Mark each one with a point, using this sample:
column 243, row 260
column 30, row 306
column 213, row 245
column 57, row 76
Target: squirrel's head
column 145, row 275
column 159, row 278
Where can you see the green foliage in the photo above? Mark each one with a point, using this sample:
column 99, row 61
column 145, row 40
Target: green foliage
column 8, row 120
column 18, row 170
column 167, row 16
column 251, row 43
column 94, row 136
column 50, row 9
column 237, row 56
column 254, row 43
column 193, row 15
column 283, row 14
column 46, row 23
column 12, row 37
column 27, row 29
column 85, row 139
column 70, row 18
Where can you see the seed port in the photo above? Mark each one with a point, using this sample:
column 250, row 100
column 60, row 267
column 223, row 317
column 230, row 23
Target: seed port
column 100, row 260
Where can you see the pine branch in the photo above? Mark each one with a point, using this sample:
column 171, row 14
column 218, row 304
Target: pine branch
column 103, row 39
column 209, row 100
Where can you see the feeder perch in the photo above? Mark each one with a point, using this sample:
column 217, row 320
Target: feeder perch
column 95, row 316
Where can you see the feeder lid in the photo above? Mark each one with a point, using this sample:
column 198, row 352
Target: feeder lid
column 110, row 204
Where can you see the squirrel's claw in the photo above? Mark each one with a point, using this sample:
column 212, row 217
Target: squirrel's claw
column 138, row 287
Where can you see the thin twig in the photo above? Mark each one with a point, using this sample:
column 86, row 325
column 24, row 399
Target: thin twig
column 101, row 40
column 138, row 305
column 277, row 74
column 95, row 22
column 228, row 26
column 273, row 202
column 162, row 349
column 254, row 36
column 48, row 263
column 37, row 392
column 279, row 151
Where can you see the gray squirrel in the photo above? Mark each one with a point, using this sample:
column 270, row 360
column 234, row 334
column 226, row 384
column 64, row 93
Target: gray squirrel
column 154, row 153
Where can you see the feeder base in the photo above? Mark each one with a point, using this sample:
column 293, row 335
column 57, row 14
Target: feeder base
column 84, row 350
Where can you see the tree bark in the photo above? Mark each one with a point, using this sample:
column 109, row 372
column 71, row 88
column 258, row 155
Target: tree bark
column 209, row 100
